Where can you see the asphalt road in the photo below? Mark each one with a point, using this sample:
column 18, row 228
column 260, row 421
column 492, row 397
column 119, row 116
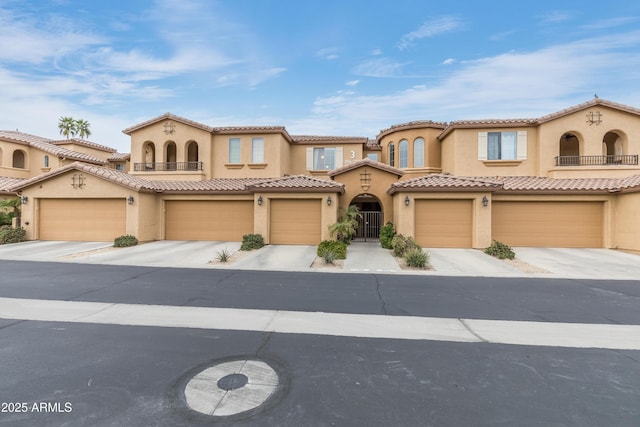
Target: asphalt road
column 108, row 375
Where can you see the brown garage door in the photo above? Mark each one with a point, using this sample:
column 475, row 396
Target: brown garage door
column 295, row 222
column 226, row 220
column 100, row 220
column 444, row 223
column 551, row 224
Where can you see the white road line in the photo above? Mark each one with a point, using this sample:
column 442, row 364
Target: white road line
column 575, row 335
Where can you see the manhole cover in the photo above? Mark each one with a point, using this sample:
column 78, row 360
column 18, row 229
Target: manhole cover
column 231, row 388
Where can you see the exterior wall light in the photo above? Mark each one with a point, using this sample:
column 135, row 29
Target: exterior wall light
column 406, row 201
column 329, row 201
column 259, row 200
column 130, row 200
column 24, row 200
column 485, row 201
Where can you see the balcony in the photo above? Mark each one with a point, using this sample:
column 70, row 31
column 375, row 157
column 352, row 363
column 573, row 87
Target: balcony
column 613, row 160
column 167, row 166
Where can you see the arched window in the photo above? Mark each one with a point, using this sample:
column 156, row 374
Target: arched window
column 45, row 162
column 193, row 156
column 19, row 159
column 404, row 154
column 392, row 155
column 418, row 153
column 149, row 155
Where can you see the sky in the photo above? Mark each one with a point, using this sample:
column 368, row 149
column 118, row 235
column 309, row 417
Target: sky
column 331, row 67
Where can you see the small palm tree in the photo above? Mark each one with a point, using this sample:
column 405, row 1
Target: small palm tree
column 82, row 127
column 9, row 204
column 347, row 226
column 67, row 126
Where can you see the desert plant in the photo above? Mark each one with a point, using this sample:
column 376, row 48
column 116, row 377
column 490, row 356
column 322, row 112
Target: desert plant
column 9, row 209
column 224, row 255
column 328, row 256
column 338, row 248
column 10, row 234
column 416, row 257
column 251, row 242
column 500, row 250
column 401, row 244
column 387, row 232
column 125, row 241
column 346, row 227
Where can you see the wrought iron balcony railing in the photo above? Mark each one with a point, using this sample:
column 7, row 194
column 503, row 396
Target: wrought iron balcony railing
column 618, row 159
column 167, row 166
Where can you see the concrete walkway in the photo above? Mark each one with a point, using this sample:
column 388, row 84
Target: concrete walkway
column 370, row 257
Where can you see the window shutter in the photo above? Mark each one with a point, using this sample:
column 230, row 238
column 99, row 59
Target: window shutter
column 309, row 158
column 521, row 151
column 339, row 157
column 482, row 145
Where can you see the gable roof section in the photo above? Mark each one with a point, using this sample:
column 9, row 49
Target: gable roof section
column 298, row 183
column 167, row 116
column 47, row 146
column 366, row 162
column 84, row 143
column 591, row 103
column 7, row 183
column 518, row 184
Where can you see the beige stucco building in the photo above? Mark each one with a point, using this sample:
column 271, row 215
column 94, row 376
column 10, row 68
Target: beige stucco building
column 568, row 179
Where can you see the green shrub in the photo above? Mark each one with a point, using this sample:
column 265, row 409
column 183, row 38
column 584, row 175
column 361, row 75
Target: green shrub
column 9, row 234
column 328, row 256
column 500, row 250
column 401, row 244
column 224, row 255
column 416, row 257
column 386, row 235
column 338, row 248
column 251, row 242
column 125, row 241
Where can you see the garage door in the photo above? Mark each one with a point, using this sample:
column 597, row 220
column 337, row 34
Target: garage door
column 295, row 222
column 226, row 220
column 444, row 223
column 551, row 224
column 100, row 220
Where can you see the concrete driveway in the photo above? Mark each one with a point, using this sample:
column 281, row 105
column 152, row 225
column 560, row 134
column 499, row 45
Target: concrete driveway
column 362, row 257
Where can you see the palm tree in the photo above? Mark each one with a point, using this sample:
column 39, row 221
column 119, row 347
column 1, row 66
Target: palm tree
column 67, row 126
column 347, row 226
column 6, row 205
column 82, row 127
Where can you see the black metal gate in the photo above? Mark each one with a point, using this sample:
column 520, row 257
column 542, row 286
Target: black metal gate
column 369, row 226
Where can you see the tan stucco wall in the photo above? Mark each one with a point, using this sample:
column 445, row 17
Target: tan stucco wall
column 460, row 154
column 271, row 167
column 379, row 184
column 60, row 187
column 34, row 161
column 626, row 125
column 481, row 223
column 350, row 153
column 261, row 212
column 609, row 203
column 627, row 224
column 183, row 134
column 432, row 150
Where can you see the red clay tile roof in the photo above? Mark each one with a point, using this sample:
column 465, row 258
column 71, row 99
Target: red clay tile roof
column 373, row 144
column 417, row 124
column 517, row 184
column 118, row 157
column 167, row 116
column 319, row 139
column 366, row 162
column 85, row 143
column 215, row 185
column 6, row 183
column 489, row 123
column 301, row 183
column 444, row 182
column 591, row 103
column 47, row 146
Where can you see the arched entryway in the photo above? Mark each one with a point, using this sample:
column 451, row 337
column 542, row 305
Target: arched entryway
column 372, row 218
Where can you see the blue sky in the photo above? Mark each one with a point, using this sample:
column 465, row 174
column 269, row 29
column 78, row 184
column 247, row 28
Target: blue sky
column 329, row 68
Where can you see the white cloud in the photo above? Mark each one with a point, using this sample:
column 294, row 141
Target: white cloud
column 328, row 53
column 376, row 52
column 431, row 28
column 556, row 17
column 448, row 61
column 352, row 82
column 382, row 67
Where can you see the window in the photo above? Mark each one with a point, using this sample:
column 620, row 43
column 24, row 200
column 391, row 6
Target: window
column 501, row 145
column 404, row 153
column 234, row 150
column 324, row 158
column 45, row 162
column 392, row 155
column 18, row 159
column 119, row 166
column 418, row 153
column 373, row 156
column 257, row 150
